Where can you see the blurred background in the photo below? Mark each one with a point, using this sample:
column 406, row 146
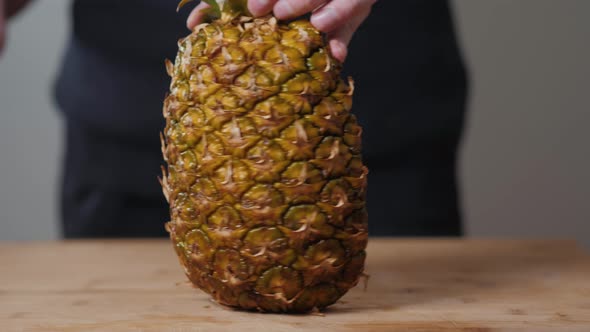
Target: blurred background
column 525, row 158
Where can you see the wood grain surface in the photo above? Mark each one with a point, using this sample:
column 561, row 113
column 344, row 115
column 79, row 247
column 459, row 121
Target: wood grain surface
column 415, row 285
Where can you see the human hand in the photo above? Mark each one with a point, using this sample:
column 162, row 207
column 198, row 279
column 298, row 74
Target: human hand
column 339, row 19
column 2, row 25
column 7, row 9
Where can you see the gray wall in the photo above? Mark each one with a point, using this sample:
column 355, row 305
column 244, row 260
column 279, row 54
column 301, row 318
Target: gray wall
column 525, row 159
column 30, row 129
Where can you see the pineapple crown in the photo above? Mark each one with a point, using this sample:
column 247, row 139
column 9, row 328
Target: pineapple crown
column 221, row 8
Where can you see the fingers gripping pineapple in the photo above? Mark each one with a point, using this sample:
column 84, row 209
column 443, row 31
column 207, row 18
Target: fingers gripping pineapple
column 265, row 179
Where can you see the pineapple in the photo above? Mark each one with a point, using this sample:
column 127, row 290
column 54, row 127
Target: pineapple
column 265, row 179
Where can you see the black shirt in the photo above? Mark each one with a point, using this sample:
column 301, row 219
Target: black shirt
column 113, row 77
column 410, row 95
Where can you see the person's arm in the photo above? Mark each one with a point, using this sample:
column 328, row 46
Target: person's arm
column 8, row 8
column 338, row 18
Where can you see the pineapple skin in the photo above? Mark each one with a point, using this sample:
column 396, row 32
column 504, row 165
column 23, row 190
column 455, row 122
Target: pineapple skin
column 265, row 178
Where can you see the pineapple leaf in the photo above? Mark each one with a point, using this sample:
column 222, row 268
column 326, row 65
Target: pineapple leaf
column 236, row 7
column 211, row 13
column 215, row 8
column 182, row 3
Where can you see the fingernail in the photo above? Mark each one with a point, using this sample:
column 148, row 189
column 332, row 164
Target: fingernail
column 324, row 19
column 261, row 3
column 283, row 9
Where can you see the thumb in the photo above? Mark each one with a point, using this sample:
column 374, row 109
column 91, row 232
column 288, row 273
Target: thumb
column 2, row 26
column 196, row 16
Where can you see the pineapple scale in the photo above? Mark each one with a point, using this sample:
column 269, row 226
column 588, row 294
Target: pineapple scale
column 265, row 178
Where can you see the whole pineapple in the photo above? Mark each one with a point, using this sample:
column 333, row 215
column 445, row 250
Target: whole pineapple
column 265, row 180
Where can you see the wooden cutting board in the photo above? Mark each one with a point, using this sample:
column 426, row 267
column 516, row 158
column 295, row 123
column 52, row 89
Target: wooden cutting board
column 415, row 285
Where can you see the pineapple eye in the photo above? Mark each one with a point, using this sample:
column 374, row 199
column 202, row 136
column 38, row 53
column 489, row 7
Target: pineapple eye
column 261, row 196
column 224, row 217
column 265, row 178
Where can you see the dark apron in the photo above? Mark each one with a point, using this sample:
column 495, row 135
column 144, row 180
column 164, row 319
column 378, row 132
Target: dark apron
column 410, row 98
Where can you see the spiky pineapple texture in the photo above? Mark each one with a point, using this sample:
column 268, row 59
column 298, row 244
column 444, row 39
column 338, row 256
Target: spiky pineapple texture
column 265, row 179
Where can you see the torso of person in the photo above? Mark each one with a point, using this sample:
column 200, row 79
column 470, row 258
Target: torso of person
column 113, row 73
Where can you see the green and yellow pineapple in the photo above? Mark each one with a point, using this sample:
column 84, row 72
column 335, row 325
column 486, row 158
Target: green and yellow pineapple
column 265, row 179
